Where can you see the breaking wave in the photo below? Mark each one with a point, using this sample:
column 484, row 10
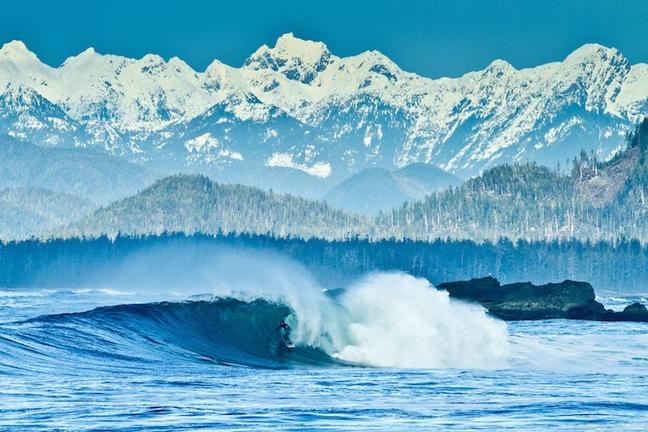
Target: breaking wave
column 384, row 320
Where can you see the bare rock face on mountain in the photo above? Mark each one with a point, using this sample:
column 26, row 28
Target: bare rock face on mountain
column 601, row 185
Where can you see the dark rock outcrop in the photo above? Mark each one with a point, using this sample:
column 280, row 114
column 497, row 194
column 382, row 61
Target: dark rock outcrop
column 526, row 301
column 635, row 312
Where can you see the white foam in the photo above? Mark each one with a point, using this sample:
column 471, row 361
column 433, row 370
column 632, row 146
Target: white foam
column 396, row 320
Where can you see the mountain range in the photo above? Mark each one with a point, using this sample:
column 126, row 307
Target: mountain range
column 596, row 201
column 299, row 109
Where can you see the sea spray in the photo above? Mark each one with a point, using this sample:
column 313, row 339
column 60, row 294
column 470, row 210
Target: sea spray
column 385, row 319
column 397, row 320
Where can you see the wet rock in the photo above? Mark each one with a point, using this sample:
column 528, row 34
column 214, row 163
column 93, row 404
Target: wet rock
column 634, row 312
column 526, row 301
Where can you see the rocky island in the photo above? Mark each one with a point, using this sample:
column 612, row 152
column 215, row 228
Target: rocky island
column 526, row 301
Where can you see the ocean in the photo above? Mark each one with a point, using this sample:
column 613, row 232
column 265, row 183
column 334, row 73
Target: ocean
column 390, row 353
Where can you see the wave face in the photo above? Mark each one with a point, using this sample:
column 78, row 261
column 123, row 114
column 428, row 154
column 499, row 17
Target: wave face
column 227, row 331
column 390, row 320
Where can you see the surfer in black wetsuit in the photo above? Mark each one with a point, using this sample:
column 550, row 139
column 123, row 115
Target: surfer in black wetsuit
column 285, row 332
column 283, row 326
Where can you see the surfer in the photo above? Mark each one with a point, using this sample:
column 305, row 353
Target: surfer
column 284, row 328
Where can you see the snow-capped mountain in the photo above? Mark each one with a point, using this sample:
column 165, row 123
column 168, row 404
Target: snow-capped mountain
column 296, row 105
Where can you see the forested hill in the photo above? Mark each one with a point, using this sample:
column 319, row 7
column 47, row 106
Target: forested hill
column 596, row 201
column 194, row 203
column 507, row 201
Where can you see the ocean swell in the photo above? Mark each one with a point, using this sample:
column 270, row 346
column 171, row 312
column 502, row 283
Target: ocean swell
column 384, row 320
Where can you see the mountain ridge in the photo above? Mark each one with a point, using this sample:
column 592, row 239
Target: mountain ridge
column 596, row 201
column 90, row 174
column 299, row 106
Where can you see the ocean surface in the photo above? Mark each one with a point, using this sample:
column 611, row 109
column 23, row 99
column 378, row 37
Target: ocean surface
column 389, row 353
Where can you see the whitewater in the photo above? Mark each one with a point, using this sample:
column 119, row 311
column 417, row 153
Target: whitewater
column 199, row 348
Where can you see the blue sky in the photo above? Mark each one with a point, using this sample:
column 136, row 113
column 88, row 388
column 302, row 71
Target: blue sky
column 432, row 38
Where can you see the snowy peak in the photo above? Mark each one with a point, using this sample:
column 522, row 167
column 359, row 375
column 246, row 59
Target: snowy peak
column 594, row 54
column 90, row 63
column 599, row 65
column 20, row 64
column 85, row 55
column 371, row 63
column 500, row 67
column 297, row 59
column 17, row 51
column 151, row 60
column 600, row 72
column 289, row 46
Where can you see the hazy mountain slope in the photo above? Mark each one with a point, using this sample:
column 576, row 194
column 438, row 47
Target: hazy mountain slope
column 28, row 212
column 367, row 192
column 297, row 105
column 90, row 174
column 420, row 180
column 278, row 179
column 376, row 189
column 194, row 203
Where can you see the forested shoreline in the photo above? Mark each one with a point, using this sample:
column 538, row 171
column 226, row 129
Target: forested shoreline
column 621, row 266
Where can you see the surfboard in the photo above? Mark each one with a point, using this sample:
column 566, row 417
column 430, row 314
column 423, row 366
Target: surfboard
column 287, row 341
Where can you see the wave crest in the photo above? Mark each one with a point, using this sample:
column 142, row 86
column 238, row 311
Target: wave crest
column 385, row 320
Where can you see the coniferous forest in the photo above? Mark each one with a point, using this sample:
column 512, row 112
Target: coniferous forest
column 619, row 267
column 594, row 201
